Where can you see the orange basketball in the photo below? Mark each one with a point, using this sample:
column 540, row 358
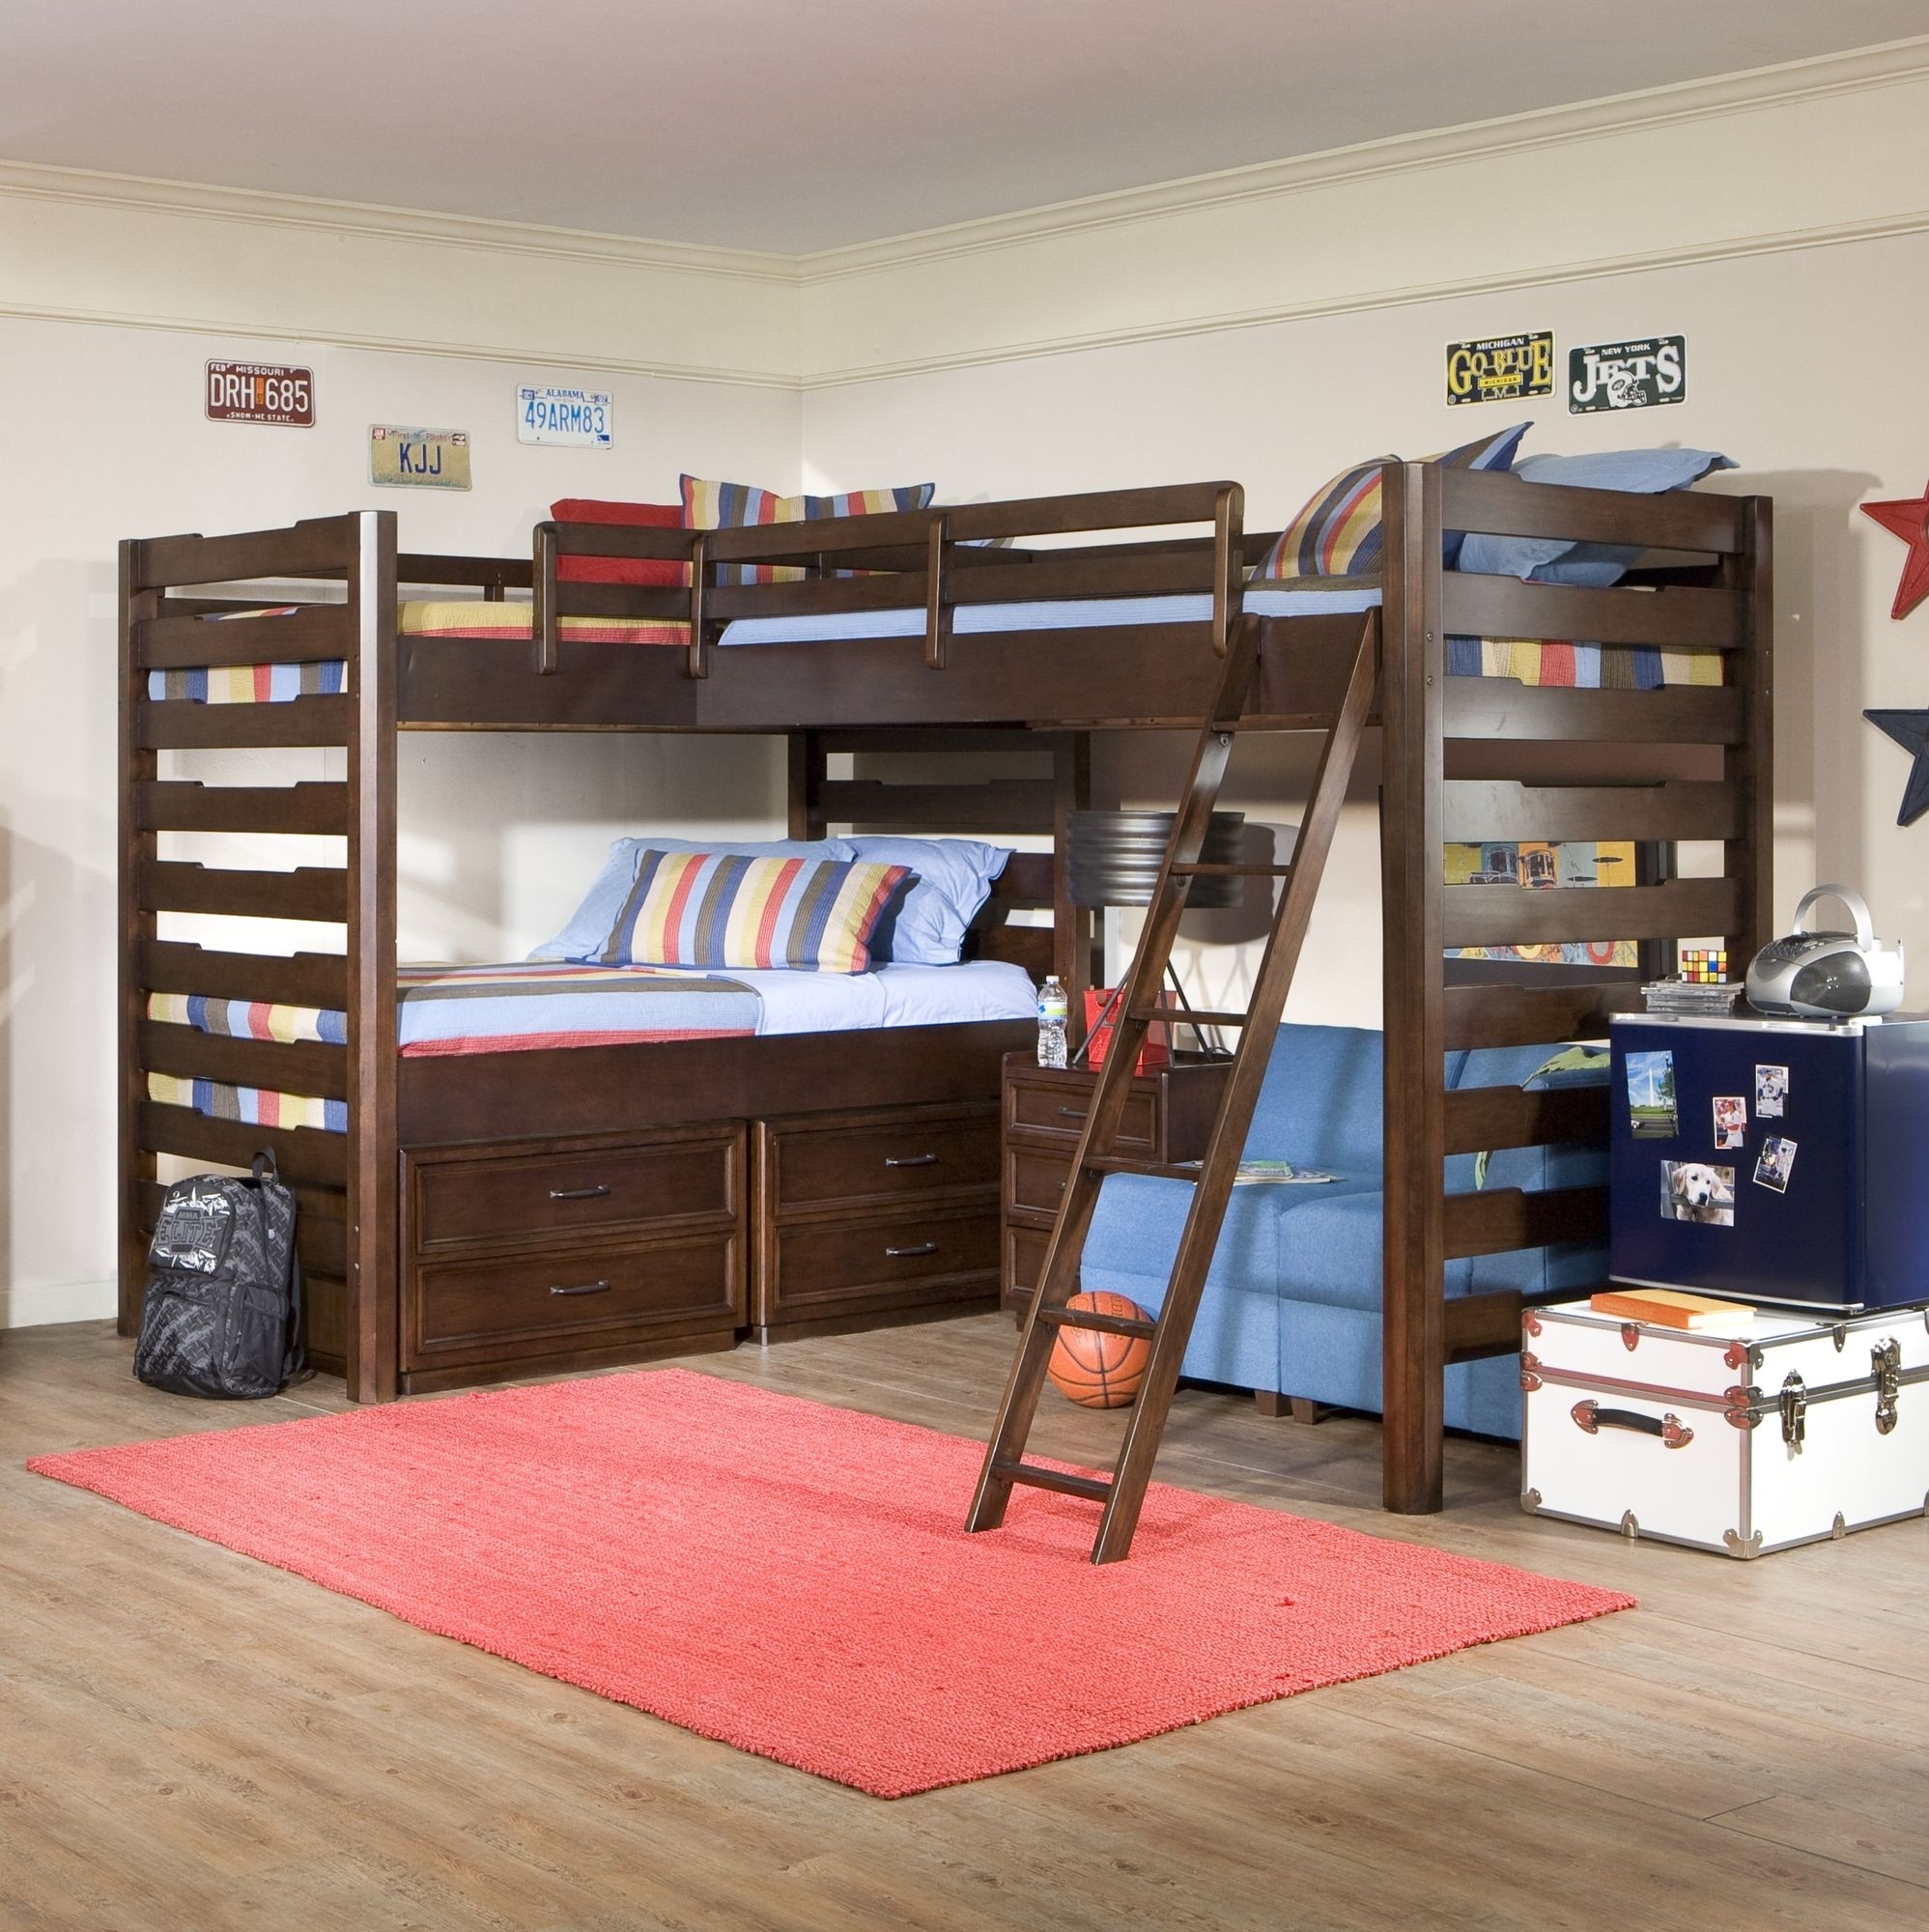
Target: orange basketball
column 1096, row 1370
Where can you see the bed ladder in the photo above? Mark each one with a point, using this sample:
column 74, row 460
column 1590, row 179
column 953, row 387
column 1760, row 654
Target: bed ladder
column 1122, row 1491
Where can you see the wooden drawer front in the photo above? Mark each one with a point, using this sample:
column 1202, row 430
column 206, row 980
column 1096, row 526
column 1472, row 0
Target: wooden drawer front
column 590, row 1191
column 1059, row 1110
column 833, row 1261
column 815, row 1167
column 1035, row 1180
column 1024, row 1261
column 572, row 1298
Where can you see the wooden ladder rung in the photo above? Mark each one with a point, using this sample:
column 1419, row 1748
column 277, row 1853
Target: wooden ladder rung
column 1185, row 1016
column 1102, row 1324
column 1204, row 868
column 1039, row 1478
column 1126, row 1163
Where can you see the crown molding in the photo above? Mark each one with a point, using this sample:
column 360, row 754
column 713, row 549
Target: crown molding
column 142, row 194
column 517, row 355
column 1734, row 248
column 1745, row 92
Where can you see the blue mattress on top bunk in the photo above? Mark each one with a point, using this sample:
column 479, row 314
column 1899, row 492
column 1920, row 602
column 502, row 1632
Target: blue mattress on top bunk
column 1065, row 614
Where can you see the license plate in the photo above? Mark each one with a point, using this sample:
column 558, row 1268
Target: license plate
column 580, row 418
column 418, row 459
column 261, row 392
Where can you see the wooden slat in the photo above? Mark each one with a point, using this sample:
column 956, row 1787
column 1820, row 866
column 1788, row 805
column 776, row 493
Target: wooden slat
column 318, row 547
column 286, row 1066
column 180, row 725
column 1514, row 914
column 317, row 635
column 1026, row 881
column 321, row 1231
column 1534, row 1015
column 1483, row 1324
column 1477, row 809
column 1503, row 606
column 303, row 1155
column 480, row 572
column 1496, row 707
column 181, row 804
column 1487, row 1117
column 309, row 891
column 1504, row 505
column 1010, row 805
column 302, row 979
column 1500, row 1219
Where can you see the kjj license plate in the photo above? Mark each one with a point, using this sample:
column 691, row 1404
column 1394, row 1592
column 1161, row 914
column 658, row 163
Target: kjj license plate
column 418, row 459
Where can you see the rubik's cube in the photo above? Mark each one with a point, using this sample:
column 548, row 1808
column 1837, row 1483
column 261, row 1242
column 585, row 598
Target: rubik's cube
column 1704, row 965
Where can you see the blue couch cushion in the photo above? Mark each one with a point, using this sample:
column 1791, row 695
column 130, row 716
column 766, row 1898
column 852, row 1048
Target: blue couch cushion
column 1319, row 1104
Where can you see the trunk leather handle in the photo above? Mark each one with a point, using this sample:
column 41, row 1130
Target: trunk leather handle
column 1590, row 1416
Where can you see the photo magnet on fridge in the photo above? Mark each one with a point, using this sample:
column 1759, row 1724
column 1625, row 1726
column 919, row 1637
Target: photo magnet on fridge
column 1651, row 1095
column 1691, row 1190
column 1731, row 1120
column 1777, row 1163
column 1771, row 1091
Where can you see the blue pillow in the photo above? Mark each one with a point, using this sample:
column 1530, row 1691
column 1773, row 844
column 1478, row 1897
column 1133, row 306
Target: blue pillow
column 589, row 924
column 953, row 880
column 1589, row 565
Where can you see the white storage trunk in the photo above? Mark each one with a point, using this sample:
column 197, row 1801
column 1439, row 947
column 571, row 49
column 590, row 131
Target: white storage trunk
column 1782, row 1429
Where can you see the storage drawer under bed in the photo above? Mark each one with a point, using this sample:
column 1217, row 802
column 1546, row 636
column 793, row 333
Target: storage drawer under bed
column 537, row 1189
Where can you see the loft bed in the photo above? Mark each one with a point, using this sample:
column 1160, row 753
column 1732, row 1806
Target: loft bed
column 990, row 640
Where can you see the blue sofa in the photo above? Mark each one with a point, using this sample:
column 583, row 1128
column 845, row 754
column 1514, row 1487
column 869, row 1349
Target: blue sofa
column 1292, row 1302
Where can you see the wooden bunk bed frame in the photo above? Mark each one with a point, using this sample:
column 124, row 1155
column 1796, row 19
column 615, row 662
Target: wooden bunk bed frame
column 1461, row 758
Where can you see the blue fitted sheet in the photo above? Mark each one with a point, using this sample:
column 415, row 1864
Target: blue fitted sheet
column 1066, row 613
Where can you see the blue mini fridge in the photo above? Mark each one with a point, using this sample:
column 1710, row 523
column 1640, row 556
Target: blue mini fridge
column 1772, row 1160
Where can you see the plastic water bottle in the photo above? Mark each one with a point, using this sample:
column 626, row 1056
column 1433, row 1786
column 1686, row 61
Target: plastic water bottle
column 1053, row 1009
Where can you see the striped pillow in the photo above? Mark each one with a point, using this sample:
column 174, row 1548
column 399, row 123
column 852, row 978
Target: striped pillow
column 1338, row 533
column 733, row 506
column 723, row 909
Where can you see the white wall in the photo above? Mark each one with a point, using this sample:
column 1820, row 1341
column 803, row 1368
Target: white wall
column 108, row 439
column 1269, row 325
column 1802, row 366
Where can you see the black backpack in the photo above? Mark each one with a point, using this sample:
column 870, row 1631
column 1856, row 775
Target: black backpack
column 222, row 1315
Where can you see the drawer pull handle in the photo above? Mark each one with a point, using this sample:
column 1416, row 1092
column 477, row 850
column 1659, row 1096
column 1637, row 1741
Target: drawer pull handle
column 904, row 1254
column 911, row 1160
column 584, row 1287
column 1072, row 1113
column 598, row 1193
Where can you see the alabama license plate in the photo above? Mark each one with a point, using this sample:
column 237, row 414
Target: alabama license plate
column 418, row 459
column 580, row 418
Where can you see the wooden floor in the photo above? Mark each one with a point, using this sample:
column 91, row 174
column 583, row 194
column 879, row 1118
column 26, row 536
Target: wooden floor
column 189, row 1741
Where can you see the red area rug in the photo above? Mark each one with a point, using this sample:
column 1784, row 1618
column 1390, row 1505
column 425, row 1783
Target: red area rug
column 793, row 1579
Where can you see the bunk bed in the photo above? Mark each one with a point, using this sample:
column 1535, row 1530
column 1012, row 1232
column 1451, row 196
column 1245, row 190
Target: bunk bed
column 938, row 632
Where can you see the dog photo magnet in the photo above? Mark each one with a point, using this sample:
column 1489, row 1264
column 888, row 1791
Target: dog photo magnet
column 1691, row 1190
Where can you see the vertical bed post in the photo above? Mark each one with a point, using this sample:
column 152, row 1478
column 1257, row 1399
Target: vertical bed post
column 1074, row 937
column 803, row 785
column 138, row 846
column 373, row 1341
column 1749, row 765
column 1412, row 702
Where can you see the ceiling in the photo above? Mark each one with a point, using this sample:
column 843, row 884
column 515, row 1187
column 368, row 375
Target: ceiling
column 795, row 126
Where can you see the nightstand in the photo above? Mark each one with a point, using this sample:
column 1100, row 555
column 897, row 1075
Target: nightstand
column 1168, row 1118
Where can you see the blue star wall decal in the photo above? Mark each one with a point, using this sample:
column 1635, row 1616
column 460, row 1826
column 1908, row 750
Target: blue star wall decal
column 1910, row 731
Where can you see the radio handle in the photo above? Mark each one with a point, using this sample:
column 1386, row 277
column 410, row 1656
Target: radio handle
column 1858, row 906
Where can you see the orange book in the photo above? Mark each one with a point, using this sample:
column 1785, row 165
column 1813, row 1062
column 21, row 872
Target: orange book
column 1669, row 1307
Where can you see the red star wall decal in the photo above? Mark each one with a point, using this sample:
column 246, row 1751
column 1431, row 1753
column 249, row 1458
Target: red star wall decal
column 1906, row 518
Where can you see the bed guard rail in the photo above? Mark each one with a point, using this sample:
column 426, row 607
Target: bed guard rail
column 907, row 557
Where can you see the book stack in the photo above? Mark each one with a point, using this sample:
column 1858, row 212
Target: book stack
column 1706, row 998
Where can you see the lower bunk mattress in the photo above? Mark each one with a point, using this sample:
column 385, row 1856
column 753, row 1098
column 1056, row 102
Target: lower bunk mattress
column 534, row 1005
